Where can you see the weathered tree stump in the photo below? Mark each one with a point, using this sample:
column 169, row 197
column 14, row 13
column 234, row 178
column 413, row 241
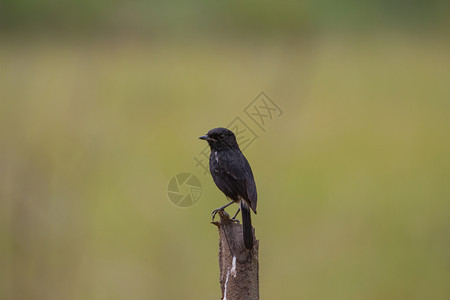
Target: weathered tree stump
column 239, row 267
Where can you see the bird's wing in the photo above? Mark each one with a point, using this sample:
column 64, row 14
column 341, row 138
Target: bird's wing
column 228, row 176
column 239, row 177
column 250, row 185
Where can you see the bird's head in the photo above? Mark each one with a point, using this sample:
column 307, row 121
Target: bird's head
column 220, row 138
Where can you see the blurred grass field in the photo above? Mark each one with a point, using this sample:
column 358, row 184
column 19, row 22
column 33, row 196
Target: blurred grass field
column 353, row 179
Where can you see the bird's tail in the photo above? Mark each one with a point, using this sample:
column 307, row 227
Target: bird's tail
column 247, row 225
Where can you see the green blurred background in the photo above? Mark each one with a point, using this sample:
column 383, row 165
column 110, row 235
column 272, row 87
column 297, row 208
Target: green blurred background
column 101, row 104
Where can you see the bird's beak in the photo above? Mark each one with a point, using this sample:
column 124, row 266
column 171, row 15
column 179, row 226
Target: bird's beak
column 204, row 137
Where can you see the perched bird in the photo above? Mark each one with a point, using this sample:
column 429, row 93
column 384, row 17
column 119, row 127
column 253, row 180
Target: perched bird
column 232, row 174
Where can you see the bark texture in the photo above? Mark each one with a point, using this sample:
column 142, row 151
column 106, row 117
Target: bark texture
column 239, row 267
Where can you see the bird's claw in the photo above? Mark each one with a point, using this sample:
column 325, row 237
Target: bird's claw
column 214, row 213
column 220, row 211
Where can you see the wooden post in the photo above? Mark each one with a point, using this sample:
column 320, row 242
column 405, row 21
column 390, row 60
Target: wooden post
column 239, row 267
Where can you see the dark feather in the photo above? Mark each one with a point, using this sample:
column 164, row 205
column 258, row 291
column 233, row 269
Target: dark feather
column 232, row 174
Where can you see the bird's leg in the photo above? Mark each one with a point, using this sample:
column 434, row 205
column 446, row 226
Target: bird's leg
column 214, row 212
column 235, row 215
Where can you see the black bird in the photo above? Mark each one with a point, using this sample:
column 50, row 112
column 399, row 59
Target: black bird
column 232, row 174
